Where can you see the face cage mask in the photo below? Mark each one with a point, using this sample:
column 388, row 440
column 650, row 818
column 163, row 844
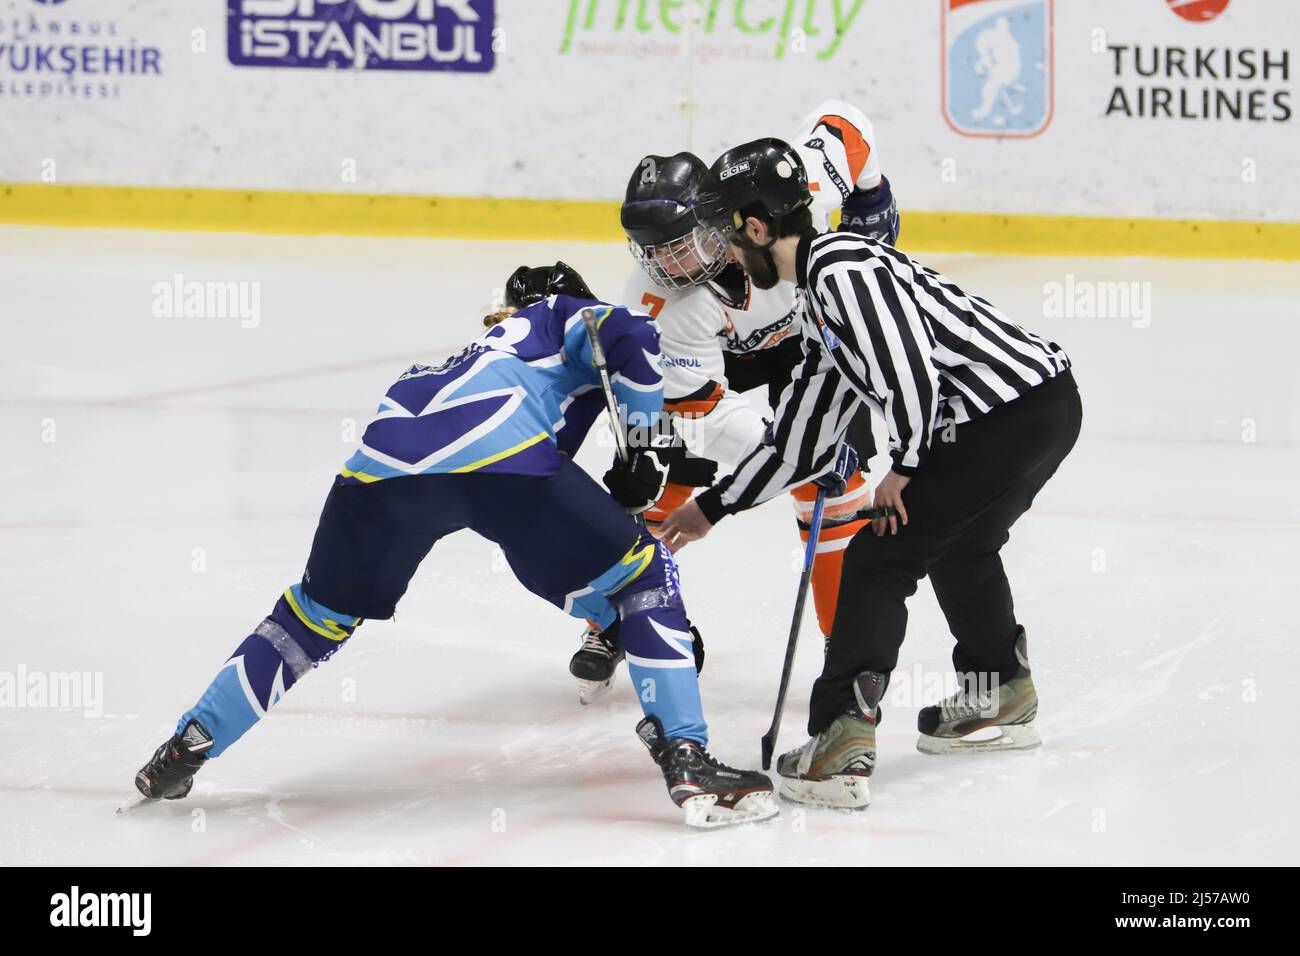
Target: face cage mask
column 669, row 264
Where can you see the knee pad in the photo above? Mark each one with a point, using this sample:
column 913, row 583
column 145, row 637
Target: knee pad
column 655, row 627
column 656, row 582
column 285, row 646
column 643, row 584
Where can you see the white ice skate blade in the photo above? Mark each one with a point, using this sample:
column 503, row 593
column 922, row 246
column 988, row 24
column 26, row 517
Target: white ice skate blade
column 135, row 803
column 1010, row 737
column 590, row 691
column 843, row 792
column 703, row 813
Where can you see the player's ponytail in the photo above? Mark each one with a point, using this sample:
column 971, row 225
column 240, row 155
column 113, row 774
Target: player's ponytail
column 500, row 315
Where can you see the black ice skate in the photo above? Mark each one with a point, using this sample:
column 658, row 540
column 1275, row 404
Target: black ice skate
column 596, row 662
column 709, row 792
column 170, row 774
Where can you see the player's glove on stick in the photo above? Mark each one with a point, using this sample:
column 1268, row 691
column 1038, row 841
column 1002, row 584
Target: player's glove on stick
column 873, row 214
column 636, row 484
column 836, row 481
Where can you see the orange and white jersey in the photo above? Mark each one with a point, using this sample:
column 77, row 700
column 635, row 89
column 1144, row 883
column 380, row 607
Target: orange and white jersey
column 697, row 325
column 838, row 149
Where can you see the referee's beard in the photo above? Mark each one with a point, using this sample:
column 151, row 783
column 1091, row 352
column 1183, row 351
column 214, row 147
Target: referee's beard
column 758, row 264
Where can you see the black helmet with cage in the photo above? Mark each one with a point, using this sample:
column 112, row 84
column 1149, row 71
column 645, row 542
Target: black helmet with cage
column 764, row 178
column 669, row 243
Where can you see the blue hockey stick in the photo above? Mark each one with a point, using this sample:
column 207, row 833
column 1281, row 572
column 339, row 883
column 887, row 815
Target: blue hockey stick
column 810, row 553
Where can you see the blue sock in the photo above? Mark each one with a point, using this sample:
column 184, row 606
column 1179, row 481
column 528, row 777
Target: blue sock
column 298, row 635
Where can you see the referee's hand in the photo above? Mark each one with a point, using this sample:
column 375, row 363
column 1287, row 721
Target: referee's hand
column 890, row 492
column 683, row 526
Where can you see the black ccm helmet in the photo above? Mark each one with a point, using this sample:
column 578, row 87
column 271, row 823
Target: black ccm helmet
column 765, row 178
column 666, row 238
column 526, row 285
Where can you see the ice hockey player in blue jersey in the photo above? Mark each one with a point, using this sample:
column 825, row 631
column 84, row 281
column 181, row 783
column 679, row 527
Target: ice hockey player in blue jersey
column 485, row 440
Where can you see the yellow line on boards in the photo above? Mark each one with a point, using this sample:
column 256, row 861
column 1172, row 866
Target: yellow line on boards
column 303, row 213
column 1089, row 236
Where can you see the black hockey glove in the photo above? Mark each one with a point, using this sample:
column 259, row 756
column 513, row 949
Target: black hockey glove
column 872, row 214
column 836, row 481
column 637, row 484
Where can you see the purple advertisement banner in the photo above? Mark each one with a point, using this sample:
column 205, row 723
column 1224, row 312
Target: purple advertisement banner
column 362, row 34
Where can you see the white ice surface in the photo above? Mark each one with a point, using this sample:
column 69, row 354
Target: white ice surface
column 1156, row 576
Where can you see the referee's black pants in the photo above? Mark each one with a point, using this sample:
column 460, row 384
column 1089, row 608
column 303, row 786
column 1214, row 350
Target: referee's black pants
column 961, row 504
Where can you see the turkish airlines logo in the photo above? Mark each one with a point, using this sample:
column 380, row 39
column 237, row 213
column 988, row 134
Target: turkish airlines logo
column 1198, row 11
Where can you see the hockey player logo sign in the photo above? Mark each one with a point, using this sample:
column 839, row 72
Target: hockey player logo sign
column 997, row 66
column 362, row 34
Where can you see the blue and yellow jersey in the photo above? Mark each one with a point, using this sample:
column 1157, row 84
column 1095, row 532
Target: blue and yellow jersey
column 514, row 399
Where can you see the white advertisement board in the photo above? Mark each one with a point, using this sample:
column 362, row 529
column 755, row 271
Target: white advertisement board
column 1135, row 108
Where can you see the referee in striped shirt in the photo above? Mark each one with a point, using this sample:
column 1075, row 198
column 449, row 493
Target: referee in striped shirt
column 980, row 413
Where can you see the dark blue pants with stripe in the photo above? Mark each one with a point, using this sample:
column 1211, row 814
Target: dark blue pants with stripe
column 565, row 538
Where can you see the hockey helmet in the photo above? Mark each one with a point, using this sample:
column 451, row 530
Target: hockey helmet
column 528, row 285
column 667, row 240
column 765, row 177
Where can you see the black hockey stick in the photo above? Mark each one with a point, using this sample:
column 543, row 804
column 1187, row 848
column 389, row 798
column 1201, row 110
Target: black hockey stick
column 809, row 554
column 814, row 529
column 611, row 404
column 866, row 514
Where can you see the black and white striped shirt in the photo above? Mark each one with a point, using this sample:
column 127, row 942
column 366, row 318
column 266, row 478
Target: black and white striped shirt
column 879, row 327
